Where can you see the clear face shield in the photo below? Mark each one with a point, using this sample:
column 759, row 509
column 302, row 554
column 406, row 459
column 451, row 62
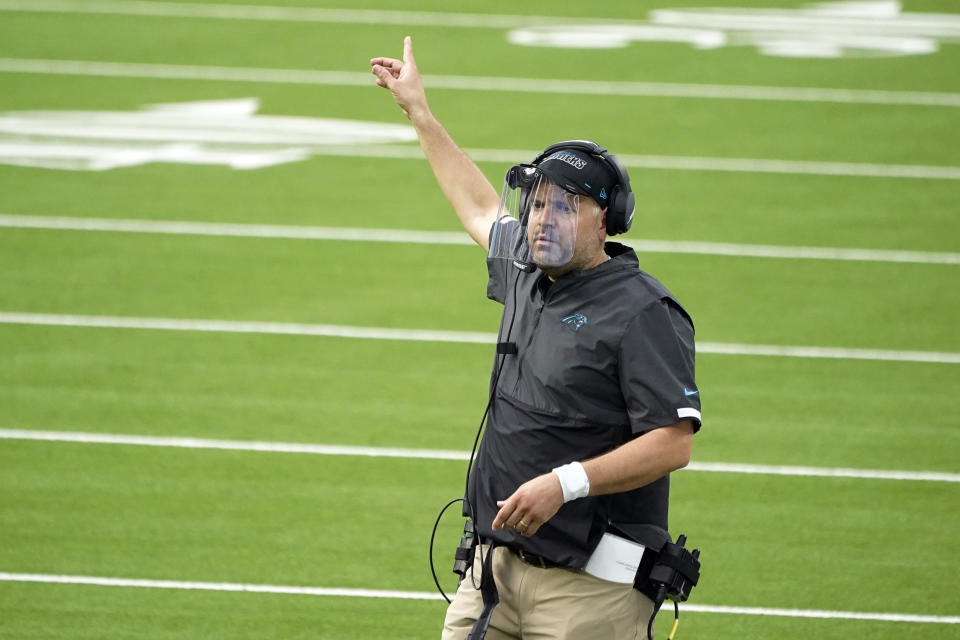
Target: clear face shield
column 548, row 216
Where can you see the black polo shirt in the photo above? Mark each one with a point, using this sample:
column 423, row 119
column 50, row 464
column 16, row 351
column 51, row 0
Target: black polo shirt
column 603, row 356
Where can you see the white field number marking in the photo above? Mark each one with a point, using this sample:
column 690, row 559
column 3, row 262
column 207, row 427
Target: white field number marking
column 823, row 30
column 223, row 132
column 228, row 132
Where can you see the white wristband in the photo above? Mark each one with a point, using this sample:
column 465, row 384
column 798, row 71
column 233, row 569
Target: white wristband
column 573, row 481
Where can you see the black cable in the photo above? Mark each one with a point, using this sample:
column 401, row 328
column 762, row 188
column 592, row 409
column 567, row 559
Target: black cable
column 502, row 359
column 657, row 603
column 656, row 609
column 493, row 390
column 433, row 535
column 676, row 620
column 476, row 442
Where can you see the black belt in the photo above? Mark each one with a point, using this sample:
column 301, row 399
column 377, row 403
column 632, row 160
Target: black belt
column 534, row 559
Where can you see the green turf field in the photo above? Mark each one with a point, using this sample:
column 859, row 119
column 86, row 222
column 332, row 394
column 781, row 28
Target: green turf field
column 791, row 554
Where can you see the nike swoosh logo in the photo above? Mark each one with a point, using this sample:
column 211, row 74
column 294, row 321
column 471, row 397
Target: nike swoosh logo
column 690, row 393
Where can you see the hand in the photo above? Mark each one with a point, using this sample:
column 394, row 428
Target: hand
column 403, row 80
column 532, row 504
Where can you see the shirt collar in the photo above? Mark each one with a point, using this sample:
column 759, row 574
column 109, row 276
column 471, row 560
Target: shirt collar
column 621, row 257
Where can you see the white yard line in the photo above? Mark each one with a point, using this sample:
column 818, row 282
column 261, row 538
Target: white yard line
column 426, row 595
column 792, row 167
column 837, row 353
column 430, row 335
column 824, row 472
column 823, row 614
column 230, row 326
column 214, row 586
column 264, row 13
column 232, row 445
column 482, row 83
column 244, row 230
column 677, row 163
column 441, row 454
column 457, row 238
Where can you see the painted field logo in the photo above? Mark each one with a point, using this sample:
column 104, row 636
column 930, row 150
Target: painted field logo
column 219, row 132
column 575, row 321
column 822, row 30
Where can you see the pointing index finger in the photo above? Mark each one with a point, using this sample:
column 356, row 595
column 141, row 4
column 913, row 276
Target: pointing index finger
column 408, row 50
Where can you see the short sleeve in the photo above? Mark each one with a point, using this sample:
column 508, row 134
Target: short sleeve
column 657, row 355
column 506, row 234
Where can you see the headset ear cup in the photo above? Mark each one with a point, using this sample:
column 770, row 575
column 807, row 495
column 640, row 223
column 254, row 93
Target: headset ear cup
column 622, row 200
column 628, row 207
column 614, row 211
column 620, row 211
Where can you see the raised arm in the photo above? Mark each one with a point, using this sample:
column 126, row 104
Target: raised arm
column 470, row 193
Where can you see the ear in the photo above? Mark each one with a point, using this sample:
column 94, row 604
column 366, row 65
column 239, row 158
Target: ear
column 602, row 225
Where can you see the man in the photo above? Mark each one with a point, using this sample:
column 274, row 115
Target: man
column 593, row 395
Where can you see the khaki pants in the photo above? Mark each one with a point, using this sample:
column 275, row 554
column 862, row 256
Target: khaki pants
column 548, row 604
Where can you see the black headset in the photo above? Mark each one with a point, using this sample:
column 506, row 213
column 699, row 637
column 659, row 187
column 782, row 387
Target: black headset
column 622, row 202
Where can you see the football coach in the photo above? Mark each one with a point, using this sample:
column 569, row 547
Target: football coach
column 593, row 396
